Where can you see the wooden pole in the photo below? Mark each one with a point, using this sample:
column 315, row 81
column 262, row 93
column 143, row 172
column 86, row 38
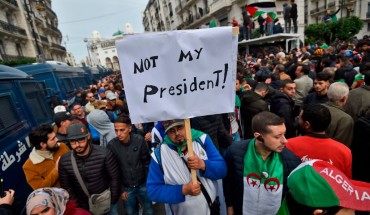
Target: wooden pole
column 189, row 143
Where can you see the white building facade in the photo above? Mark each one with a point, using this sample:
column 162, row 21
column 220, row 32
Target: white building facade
column 165, row 15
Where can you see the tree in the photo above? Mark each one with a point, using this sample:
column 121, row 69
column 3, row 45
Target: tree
column 344, row 29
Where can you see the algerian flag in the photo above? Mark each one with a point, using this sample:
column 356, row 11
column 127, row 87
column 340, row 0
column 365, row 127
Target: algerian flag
column 260, row 8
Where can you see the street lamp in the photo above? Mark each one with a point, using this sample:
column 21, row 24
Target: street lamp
column 40, row 7
column 88, row 51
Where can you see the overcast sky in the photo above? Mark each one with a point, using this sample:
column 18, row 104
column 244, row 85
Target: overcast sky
column 79, row 18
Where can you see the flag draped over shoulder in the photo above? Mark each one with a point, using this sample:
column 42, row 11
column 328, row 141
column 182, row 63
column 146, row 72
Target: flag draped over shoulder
column 260, row 8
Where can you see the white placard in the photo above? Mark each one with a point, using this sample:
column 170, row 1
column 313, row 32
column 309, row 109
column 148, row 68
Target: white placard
column 178, row 74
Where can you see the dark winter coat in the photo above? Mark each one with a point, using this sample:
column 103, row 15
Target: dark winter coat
column 99, row 170
column 133, row 159
column 286, row 11
column 294, row 11
column 213, row 125
column 233, row 182
column 251, row 104
column 360, row 150
column 347, row 73
column 283, row 106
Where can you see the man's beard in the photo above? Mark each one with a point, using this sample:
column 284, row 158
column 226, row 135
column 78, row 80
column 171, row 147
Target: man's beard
column 53, row 149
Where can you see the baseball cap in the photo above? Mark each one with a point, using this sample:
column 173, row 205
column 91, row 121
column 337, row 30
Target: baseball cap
column 324, row 46
column 76, row 131
column 101, row 90
column 172, row 123
column 60, row 108
column 111, row 96
column 62, row 116
column 317, row 183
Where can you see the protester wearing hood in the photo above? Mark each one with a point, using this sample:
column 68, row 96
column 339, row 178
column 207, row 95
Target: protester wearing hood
column 100, row 121
column 52, row 201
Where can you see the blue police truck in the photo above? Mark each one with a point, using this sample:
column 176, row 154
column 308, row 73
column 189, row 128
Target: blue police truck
column 59, row 80
column 22, row 106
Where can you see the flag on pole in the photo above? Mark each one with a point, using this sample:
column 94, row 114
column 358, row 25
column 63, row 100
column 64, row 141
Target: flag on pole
column 260, row 8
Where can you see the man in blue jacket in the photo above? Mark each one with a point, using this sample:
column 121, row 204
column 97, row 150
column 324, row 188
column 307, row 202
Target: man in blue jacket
column 169, row 178
column 258, row 168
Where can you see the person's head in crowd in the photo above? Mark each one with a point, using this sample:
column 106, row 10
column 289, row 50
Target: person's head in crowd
column 100, row 105
column 77, row 136
column 302, row 70
column 329, row 70
column 78, row 93
column 59, row 108
column 118, row 89
column 314, row 118
column 322, row 82
column 111, row 86
column 318, row 188
column 106, row 87
column 101, row 93
column 264, row 62
column 63, row 119
column 43, row 138
column 238, row 83
column 111, row 99
column 326, row 62
column 269, row 131
column 90, row 97
column 122, row 128
column 344, row 61
column 279, row 68
column 261, row 89
column 77, row 110
column 175, row 130
column 338, row 93
column 288, row 87
column 94, row 91
column 48, row 201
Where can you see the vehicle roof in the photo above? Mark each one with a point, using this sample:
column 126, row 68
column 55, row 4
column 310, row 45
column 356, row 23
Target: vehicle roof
column 7, row 72
column 46, row 67
column 267, row 39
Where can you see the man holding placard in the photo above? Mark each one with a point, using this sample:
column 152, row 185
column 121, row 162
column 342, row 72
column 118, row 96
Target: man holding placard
column 169, row 179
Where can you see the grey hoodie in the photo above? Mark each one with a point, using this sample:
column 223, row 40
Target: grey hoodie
column 100, row 121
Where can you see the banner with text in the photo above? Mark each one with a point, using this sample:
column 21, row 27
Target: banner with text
column 178, row 74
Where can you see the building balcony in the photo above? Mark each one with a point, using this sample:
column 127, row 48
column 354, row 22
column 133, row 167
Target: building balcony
column 50, row 12
column 44, row 39
column 12, row 30
column 53, row 29
column 58, row 47
column 331, row 4
column 9, row 4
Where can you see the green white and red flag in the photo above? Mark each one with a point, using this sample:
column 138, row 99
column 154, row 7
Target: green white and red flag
column 261, row 8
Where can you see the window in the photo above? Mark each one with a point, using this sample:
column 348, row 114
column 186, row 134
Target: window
column 35, row 100
column 8, row 116
column 19, row 50
column 9, row 18
column 368, row 26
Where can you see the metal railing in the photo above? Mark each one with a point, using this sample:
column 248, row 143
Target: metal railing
column 12, row 28
column 58, row 46
column 6, row 57
column 49, row 10
column 53, row 28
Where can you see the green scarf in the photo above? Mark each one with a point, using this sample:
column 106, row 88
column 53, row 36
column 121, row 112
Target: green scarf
column 194, row 135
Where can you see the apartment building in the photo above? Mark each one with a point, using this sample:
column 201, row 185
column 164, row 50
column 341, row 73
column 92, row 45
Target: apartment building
column 166, row 15
column 29, row 29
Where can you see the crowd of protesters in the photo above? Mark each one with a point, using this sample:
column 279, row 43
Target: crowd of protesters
column 311, row 103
